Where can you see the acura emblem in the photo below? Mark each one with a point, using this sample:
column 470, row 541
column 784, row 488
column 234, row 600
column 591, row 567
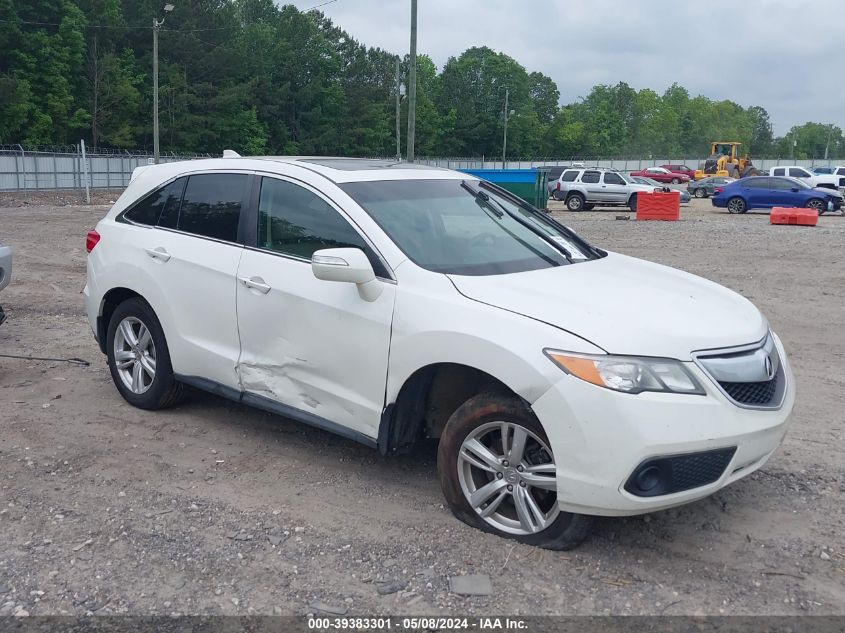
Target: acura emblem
column 770, row 367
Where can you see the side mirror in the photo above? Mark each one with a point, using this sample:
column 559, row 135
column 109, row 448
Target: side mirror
column 795, row 190
column 348, row 265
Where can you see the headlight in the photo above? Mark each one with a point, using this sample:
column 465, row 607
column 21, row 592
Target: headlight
column 628, row 374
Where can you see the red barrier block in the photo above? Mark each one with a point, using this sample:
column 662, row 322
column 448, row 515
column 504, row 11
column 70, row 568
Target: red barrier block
column 659, row 206
column 800, row 217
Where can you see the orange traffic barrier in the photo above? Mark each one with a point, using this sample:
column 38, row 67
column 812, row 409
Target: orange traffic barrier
column 801, row 217
column 659, row 206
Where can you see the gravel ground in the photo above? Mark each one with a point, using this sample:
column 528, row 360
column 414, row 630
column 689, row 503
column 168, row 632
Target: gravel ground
column 216, row 508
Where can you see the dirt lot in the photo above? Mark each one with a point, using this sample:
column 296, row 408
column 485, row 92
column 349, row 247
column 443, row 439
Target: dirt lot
column 216, row 508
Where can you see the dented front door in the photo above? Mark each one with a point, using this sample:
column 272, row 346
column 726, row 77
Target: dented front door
column 312, row 345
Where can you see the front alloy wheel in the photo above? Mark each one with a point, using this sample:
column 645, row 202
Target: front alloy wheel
column 508, row 477
column 817, row 204
column 498, row 473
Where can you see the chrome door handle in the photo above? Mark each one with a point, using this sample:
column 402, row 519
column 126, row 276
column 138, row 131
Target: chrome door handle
column 158, row 253
column 255, row 283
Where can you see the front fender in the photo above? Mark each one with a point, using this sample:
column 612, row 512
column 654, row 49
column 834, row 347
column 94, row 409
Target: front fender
column 435, row 324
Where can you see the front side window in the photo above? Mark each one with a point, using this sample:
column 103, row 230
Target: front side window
column 590, row 177
column 295, row 221
column 211, row 206
column 613, row 179
column 443, row 227
column 795, row 172
column 158, row 204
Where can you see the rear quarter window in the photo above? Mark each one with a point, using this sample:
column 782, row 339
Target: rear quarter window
column 161, row 203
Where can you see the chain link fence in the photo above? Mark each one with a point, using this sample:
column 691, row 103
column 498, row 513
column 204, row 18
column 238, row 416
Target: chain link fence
column 63, row 167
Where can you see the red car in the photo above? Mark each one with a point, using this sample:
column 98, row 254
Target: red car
column 680, row 169
column 661, row 174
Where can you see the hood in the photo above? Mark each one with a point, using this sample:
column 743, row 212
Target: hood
column 626, row 306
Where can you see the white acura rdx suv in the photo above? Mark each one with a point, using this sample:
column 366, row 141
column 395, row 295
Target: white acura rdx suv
column 392, row 302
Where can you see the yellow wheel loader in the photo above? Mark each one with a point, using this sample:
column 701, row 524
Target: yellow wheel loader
column 724, row 161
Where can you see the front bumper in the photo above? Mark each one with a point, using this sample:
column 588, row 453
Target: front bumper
column 599, row 437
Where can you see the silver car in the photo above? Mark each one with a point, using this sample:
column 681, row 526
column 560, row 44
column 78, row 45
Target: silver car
column 707, row 187
column 585, row 188
column 5, row 272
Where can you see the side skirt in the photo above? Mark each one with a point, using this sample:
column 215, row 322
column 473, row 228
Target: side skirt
column 271, row 406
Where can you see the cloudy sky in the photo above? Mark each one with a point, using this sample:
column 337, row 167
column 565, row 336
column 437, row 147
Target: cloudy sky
column 784, row 55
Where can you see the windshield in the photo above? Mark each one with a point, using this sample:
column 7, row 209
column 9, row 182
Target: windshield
column 443, row 227
column 627, row 178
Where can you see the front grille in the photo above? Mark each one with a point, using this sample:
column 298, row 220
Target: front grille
column 751, row 376
column 753, row 393
column 667, row 475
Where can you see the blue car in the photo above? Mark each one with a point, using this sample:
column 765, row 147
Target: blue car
column 765, row 192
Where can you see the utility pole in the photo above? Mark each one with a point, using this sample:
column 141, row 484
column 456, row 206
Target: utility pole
column 412, row 85
column 157, row 24
column 505, row 141
column 398, row 112
column 829, row 133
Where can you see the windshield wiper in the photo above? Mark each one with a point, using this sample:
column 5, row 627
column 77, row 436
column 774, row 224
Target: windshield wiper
column 545, row 217
column 500, row 211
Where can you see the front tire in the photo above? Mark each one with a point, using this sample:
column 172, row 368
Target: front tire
column 676, row 181
column 817, row 204
column 138, row 357
column 632, row 203
column 737, row 205
column 498, row 474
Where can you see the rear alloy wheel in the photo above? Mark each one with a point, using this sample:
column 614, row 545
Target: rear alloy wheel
column 139, row 360
column 498, row 474
column 575, row 202
column 700, row 193
column 817, row 204
column 737, row 205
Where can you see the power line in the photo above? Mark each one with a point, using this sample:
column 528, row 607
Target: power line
column 317, row 6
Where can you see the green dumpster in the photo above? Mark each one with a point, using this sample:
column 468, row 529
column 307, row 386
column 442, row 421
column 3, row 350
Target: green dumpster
column 529, row 184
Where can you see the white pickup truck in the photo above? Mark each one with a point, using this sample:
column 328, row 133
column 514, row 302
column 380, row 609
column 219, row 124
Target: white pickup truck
column 831, row 181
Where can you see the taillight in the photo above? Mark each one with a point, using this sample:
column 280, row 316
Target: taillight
column 91, row 240
column 718, row 189
column 558, row 185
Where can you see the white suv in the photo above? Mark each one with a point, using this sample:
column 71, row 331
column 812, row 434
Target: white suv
column 390, row 302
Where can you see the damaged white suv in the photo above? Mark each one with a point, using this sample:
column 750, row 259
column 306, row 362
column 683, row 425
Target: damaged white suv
column 391, row 302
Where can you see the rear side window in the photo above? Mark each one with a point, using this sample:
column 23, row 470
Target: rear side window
column 158, row 204
column 757, row 183
column 590, row 177
column 569, row 176
column 613, row 179
column 211, row 206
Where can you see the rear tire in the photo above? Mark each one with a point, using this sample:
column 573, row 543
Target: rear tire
column 700, row 192
column 143, row 374
column 737, row 205
column 471, row 457
column 575, row 202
